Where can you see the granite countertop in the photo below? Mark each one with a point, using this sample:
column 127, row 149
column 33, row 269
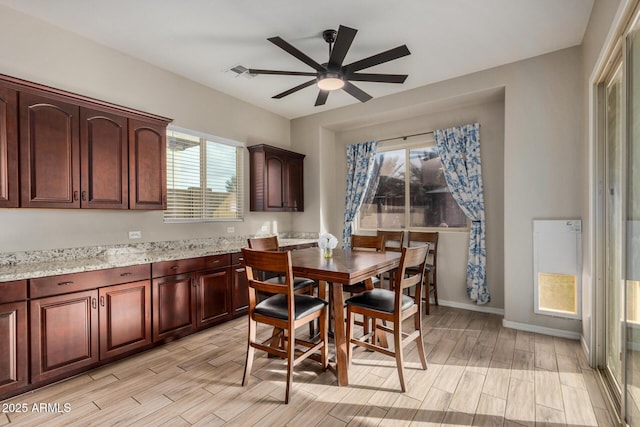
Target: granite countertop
column 29, row 265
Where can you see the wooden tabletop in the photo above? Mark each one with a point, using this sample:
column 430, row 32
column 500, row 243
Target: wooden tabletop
column 345, row 266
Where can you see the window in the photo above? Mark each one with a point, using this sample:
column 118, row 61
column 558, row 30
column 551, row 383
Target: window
column 204, row 177
column 408, row 189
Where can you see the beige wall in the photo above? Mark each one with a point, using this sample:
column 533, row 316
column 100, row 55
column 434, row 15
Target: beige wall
column 543, row 148
column 36, row 51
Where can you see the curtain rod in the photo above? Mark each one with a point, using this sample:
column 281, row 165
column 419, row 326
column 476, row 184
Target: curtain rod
column 406, row 136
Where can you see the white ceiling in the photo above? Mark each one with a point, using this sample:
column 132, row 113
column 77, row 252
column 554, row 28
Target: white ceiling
column 202, row 39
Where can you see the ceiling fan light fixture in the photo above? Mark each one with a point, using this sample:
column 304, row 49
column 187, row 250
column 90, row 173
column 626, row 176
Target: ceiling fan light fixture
column 330, row 81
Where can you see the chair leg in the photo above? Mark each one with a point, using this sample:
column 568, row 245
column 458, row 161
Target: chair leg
column 349, row 335
column 291, row 345
column 397, row 338
column 427, row 302
column 435, row 285
column 250, row 352
column 324, row 334
column 420, row 339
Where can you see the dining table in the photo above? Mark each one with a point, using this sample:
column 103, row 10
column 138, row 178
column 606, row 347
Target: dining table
column 344, row 268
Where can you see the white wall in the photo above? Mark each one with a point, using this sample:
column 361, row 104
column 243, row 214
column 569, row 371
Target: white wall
column 33, row 50
column 544, row 176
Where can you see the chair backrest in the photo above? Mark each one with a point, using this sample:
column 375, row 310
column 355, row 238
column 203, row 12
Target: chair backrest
column 371, row 243
column 264, row 243
column 273, row 262
column 421, row 237
column 406, row 276
column 393, row 240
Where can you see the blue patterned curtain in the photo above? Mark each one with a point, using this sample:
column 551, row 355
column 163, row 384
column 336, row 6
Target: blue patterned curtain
column 360, row 161
column 459, row 149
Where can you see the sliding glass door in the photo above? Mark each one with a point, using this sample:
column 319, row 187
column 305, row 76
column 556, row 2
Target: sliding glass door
column 613, row 231
column 631, row 248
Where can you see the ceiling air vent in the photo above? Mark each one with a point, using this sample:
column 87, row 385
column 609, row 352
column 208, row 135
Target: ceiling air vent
column 239, row 70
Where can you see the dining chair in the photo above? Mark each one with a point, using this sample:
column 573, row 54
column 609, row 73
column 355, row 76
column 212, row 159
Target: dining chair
column 392, row 306
column 393, row 242
column 300, row 284
column 431, row 276
column 285, row 310
column 361, row 242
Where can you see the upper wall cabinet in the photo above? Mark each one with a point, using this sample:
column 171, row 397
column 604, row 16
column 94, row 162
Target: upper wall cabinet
column 276, row 179
column 9, row 197
column 76, row 152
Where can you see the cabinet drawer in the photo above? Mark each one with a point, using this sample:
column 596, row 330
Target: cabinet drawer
column 167, row 268
column 65, row 283
column 13, row 291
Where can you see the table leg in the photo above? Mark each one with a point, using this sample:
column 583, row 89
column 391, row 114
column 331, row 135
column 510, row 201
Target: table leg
column 339, row 334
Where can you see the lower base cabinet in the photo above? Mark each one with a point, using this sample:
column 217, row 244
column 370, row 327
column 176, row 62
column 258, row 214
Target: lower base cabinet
column 13, row 346
column 64, row 334
column 174, row 306
column 213, row 296
column 125, row 318
column 240, row 287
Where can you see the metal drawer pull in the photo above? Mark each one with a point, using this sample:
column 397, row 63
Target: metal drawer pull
column 126, row 274
column 102, row 301
column 175, row 267
column 94, row 303
column 65, row 283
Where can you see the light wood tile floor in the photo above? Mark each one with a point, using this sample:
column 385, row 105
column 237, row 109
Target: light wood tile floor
column 479, row 374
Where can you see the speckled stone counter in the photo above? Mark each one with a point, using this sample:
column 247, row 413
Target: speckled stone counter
column 32, row 264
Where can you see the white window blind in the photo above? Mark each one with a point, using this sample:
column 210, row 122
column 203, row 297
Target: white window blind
column 204, row 177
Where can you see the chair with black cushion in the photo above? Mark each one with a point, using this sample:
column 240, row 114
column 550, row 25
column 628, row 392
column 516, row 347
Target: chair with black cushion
column 431, row 274
column 392, row 306
column 285, row 310
column 393, row 242
column 300, row 284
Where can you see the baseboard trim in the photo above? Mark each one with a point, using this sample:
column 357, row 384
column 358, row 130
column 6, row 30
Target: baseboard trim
column 585, row 348
column 541, row 330
column 471, row 307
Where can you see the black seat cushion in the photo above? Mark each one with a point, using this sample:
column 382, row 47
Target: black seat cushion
column 298, row 282
column 414, row 270
column 276, row 306
column 379, row 299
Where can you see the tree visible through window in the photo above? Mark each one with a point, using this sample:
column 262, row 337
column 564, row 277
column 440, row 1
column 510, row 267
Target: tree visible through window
column 202, row 178
column 408, row 189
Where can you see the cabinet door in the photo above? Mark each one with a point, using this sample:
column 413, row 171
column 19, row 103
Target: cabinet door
column 214, row 298
column 275, row 182
column 125, row 318
column 104, row 160
column 64, row 334
column 49, row 153
column 13, row 346
column 174, row 306
column 239, row 291
column 295, row 187
column 147, row 166
column 8, row 148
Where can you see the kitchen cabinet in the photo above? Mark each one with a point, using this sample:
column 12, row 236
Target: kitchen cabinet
column 239, row 288
column 104, row 160
column 49, row 152
column 147, row 165
column 77, row 152
column 276, row 179
column 9, row 179
column 13, row 336
column 80, row 318
column 125, row 318
column 64, row 334
column 189, row 294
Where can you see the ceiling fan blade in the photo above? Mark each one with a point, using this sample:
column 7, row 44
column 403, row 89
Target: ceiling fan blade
column 322, row 97
column 386, row 56
column 282, row 73
column 356, row 92
column 295, row 52
column 341, row 46
column 378, row 78
column 294, row 89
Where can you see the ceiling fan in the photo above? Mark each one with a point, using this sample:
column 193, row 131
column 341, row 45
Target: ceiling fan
column 333, row 75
